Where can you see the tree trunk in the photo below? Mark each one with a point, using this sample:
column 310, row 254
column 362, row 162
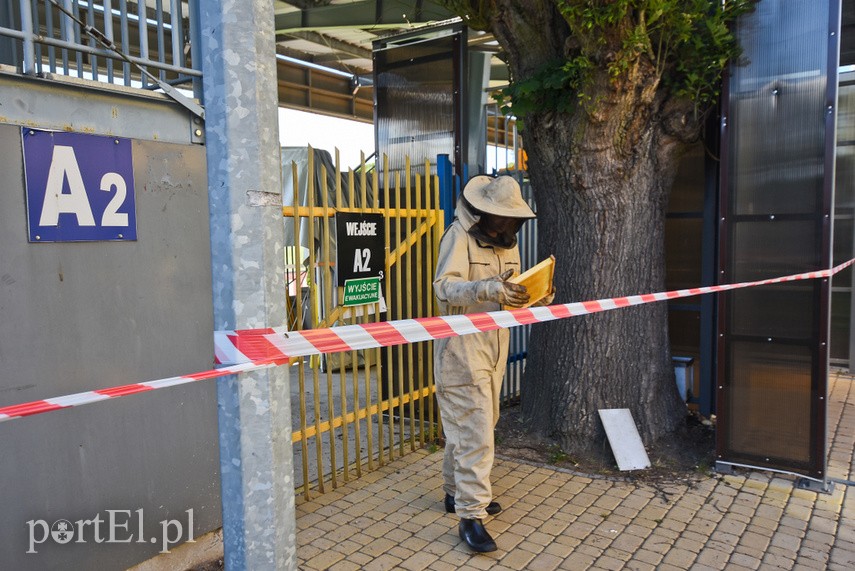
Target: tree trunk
column 601, row 178
column 601, row 211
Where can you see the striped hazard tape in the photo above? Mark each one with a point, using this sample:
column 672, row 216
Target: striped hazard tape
column 249, row 345
column 248, row 350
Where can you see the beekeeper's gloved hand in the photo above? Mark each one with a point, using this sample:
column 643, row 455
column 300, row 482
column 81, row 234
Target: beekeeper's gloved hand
column 497, row 290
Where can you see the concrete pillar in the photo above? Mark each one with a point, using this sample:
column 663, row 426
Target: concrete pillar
column 240, row 97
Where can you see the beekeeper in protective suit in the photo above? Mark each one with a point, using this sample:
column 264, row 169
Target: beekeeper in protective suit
column 477, row 254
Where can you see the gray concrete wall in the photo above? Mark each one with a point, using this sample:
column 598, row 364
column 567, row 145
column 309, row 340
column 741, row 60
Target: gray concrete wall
column 82, row 316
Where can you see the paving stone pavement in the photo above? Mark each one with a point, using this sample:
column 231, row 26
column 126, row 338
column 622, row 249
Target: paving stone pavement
column 393, row 518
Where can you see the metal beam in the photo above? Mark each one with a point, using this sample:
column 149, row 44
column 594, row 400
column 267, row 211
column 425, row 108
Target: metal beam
column 331, row 57
column 321, row 92
column 374, row 14
column 329, row 42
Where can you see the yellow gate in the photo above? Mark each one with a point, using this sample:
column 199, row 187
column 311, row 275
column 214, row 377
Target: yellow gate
column 361, row 408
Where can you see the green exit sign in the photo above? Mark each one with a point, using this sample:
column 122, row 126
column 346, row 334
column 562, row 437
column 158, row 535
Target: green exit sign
column 361, row 291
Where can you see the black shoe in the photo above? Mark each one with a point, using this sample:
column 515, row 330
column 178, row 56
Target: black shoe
column 492, row 509
column 476, row 537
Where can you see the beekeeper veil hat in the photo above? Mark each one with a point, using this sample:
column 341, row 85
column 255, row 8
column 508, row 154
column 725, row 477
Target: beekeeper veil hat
column 500, row 196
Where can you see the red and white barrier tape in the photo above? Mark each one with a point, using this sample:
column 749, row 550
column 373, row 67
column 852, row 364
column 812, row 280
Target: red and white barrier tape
column 252, row 345
column 254, row 349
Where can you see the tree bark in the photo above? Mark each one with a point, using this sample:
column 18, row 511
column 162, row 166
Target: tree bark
column 608, row 239
column 601, row 178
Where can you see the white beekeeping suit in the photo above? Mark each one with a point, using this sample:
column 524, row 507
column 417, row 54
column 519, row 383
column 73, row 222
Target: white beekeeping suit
column 478, row 252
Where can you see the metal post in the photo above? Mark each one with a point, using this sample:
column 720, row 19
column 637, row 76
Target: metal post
column 446, row 187
column 123, row 29
column 247, row 234
column 175, row 32
column 852, row 316
column 66, row 32
column 108, row 32
column 195, row 43
column 709, row 303
column 29, row 66
column 142, row 27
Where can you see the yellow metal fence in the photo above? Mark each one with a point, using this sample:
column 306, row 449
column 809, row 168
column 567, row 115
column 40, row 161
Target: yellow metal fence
column 359, row 409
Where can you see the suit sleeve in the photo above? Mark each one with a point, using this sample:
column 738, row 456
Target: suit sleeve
column 451, row 282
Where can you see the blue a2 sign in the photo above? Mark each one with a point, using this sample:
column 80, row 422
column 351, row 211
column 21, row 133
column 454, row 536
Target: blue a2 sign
column 79, row 187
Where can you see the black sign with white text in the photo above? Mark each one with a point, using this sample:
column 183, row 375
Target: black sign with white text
column 361, row 251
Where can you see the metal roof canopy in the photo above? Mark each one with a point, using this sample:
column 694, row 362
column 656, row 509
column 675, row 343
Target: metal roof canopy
column 338, row 34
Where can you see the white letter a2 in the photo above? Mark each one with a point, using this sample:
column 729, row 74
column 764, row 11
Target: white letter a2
column 64, row 165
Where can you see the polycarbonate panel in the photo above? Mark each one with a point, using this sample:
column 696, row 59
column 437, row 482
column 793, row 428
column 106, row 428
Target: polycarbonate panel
column 684, row 329
column 783, row 311
column 846, row 114
column 844, row 192
column 777, row 185
column 417, row 110
column 843, row 228
column 847, row 36
column 687, row 192
column 767, row 249
column 690, row 262
column 844, row 209
column 841, row 307
column 776, row 109
column 775, row 380
column 683, row 252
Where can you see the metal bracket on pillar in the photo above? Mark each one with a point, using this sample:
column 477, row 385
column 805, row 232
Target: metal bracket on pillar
column 197, row 130
column 819, row 486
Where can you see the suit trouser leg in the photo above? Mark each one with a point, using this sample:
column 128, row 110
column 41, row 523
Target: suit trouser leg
column 468, row 417
column 448, row 485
